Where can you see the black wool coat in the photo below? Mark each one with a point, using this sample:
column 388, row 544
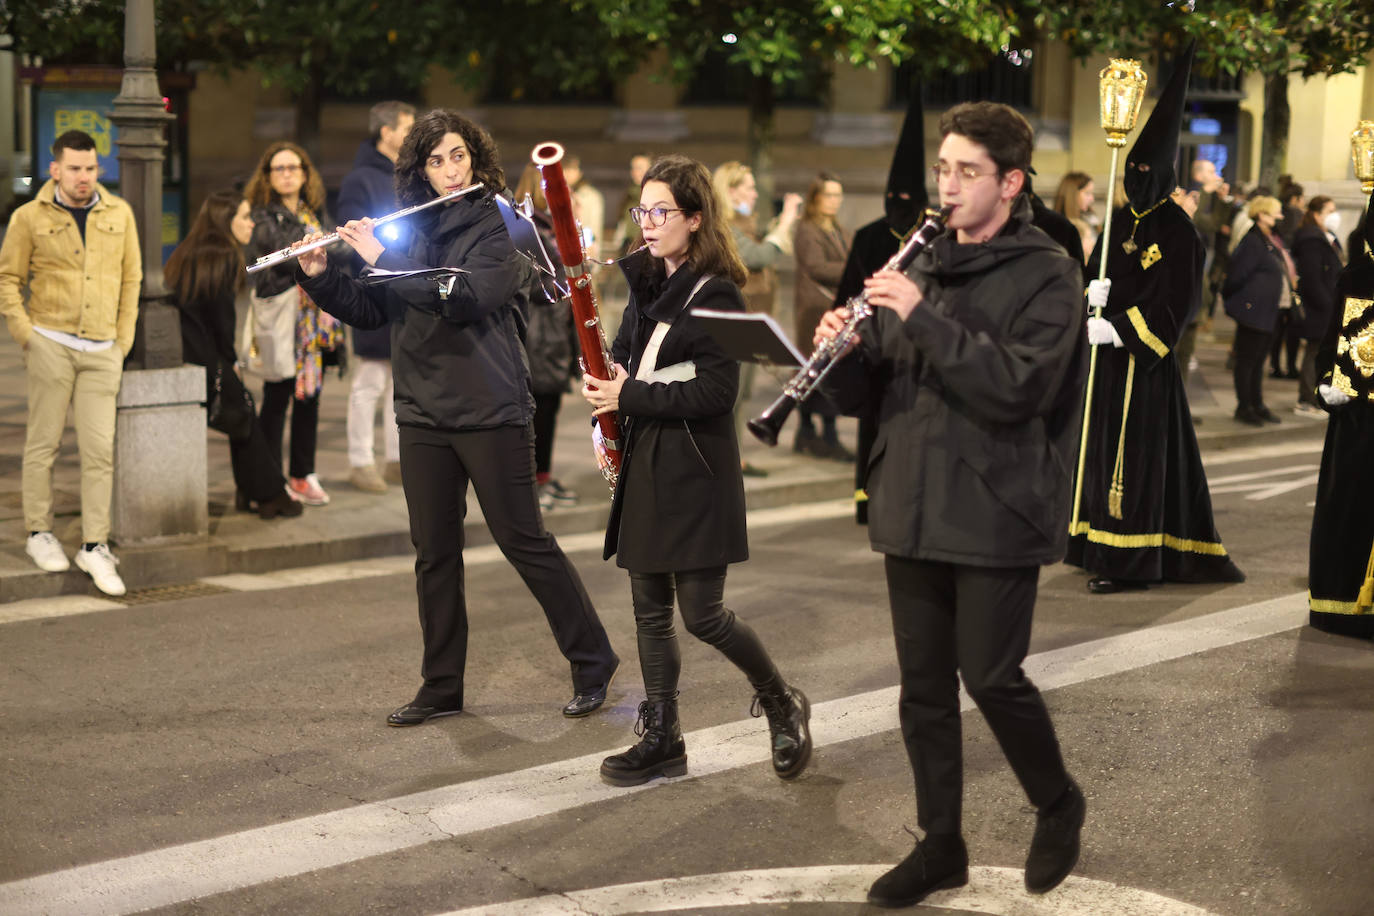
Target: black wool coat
column 1254, row 282
column 1318, row 261
column 679, row 504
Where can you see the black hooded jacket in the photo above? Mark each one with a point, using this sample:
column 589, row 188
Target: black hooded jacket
column 981, row 394
column 457, row 358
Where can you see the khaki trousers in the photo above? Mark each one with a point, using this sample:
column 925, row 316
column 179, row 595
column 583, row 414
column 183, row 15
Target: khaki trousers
column 59, row 376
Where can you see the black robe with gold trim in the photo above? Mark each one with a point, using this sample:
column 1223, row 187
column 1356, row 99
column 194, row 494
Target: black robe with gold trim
column 1342, row 541
column 1144, row 513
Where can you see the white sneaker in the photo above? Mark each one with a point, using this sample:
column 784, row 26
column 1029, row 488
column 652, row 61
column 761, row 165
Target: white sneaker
column 47, row 552
column 100, row 563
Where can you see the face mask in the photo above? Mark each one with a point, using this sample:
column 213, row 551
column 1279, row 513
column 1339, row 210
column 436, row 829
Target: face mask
column 1332, row 222
column 744, row 209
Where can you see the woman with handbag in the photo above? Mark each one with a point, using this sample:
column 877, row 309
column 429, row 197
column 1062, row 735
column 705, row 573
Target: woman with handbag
column 290, row 336
column 677, row 516
column 737, row 194
column 821, row 248
column 205, row 273
column 1259, row 284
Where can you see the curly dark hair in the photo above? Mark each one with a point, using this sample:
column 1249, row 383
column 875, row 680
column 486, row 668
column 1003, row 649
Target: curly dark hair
column 412, row 187
column 259, row 191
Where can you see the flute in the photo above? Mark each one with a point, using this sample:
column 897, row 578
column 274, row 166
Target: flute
column 287, row 253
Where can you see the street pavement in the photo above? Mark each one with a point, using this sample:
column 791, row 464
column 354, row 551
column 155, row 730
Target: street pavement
column 222, row 749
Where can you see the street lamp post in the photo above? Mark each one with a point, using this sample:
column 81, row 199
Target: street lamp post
column 142, row 119
column 160, row 473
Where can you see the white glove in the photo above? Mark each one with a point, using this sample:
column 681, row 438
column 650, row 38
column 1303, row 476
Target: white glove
column 1101, row 333
column 1098, row 291
column 1332, row 396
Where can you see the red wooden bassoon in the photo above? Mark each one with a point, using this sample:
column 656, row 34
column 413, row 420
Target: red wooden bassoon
column 596, row 357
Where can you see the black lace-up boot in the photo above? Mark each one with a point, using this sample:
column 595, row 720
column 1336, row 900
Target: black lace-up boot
column 660, row 751
column 789, row 722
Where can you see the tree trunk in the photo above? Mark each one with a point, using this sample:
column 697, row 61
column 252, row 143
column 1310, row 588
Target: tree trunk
column 309, row 101
column 1274, row 132
column 760, row 143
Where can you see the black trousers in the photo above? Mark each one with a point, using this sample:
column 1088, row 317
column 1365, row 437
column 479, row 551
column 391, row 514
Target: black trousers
column 305, row 421
column 1251, row 347
column 435, row 470
column 700, row 597
column 257, row 472
column 975, row 620
column 545, row 426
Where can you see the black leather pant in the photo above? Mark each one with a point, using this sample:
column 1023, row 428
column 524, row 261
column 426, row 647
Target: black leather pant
column 700, row 597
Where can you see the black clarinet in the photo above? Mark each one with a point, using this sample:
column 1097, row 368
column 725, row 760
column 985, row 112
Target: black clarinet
column 768, row 424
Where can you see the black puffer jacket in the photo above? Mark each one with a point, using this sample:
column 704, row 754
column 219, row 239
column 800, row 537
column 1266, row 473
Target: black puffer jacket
column 457, row 358
column 982, row 391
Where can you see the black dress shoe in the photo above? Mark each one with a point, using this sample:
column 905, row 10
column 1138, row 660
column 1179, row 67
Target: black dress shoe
column 586, row 702
column 1101, row 585
column 1267, row 415
column 1054, row 849
column 937, row 863
column 1248, row 416
column 418, row 715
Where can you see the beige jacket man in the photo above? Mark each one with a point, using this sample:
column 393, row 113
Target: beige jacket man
column 88, row 290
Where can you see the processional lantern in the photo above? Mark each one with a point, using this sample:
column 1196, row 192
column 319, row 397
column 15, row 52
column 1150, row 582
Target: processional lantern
column 1362, row 151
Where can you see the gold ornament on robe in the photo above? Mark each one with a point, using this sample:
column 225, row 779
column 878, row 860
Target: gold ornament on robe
column 1151, row 257
column 1362, row 151
column 1359, row 347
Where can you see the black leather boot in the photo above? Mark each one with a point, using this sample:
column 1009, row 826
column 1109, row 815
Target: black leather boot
column 660, row 752
column 789, row 723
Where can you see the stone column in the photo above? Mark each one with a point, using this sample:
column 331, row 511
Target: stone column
column 159, row 484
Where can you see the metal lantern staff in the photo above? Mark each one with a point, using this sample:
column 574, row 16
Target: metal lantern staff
column 1122, row 88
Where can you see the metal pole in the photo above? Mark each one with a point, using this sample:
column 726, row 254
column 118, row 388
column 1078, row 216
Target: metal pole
column 141, row 118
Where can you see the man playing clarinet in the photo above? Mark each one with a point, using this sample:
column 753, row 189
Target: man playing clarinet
column 979, row 352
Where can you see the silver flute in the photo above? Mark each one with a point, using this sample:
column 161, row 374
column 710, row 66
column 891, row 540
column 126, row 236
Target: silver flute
column 766, row 425
column 287, row 253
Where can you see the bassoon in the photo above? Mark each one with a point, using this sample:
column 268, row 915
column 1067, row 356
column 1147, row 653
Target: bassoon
column 596, row 356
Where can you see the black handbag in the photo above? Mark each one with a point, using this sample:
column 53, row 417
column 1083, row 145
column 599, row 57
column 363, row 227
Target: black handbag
column 231, row 410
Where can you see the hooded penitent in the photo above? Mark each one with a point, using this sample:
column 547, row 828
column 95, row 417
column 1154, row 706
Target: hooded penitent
column 1339, row 581
column 1146, row 512
column 908, row 173
column 1149, row 176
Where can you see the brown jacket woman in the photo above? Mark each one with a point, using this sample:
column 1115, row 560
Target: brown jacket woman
column 820, row 255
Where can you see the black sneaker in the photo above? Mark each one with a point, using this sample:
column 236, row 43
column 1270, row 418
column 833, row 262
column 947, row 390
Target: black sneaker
column 1054, row 848
column 937, row 863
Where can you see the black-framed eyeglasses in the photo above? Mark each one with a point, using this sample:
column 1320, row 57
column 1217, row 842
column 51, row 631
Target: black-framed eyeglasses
column 286, row 169
column 966, row 173
column 653, row 217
